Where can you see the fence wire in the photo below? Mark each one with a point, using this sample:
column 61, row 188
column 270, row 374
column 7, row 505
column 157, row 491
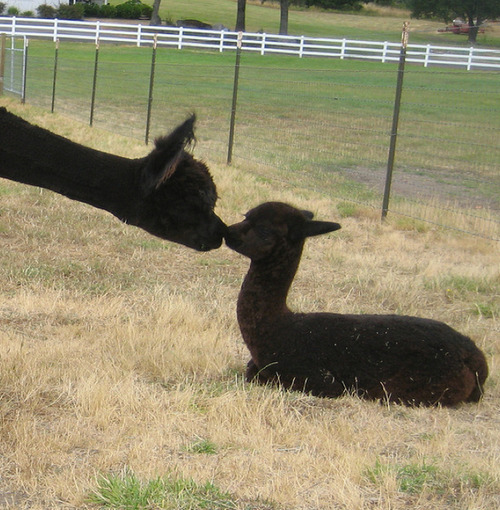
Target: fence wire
column 317, row 123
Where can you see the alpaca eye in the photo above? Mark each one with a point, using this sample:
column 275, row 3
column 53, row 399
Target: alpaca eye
column 263, row 232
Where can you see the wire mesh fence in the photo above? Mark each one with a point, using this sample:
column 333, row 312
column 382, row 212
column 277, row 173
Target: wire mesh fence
column 317, row 123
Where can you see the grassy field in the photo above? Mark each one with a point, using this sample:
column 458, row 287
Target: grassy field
column 122, row 364
column 337, row 114
column 373, row 23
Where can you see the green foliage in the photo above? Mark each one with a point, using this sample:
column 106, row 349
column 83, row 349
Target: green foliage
column 107, row 11
column 340, row 5
column 449, row 9
column 66, row 11
column 347, row 209
column 421, row 477
column 46, row 11
column 13, row 11
column 204, row 446
column 2, row 7
column 127, row 492
column 411, row 478
column 486, row 310
column 131, row 9
column 91, row 10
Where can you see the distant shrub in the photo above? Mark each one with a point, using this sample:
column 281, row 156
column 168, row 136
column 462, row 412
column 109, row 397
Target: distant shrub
column 2, row 7
column 128, row 10
column 146, row 11
column 46, row 11
column 340, row 5
column 107, row 11
column 74, row 11
column 91, row 10
column 13, row 11
column 131, row 9
column 27, row 14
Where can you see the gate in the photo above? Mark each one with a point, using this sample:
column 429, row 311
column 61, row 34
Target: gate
column 13, row 64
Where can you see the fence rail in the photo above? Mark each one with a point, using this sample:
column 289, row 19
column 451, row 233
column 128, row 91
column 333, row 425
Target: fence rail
column 223, row 40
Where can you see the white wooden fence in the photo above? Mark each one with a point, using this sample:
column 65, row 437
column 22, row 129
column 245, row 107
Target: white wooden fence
column 222, row 40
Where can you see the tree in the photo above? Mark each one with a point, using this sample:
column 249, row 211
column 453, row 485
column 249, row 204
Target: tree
column 240, row 16
column 155, row 16
column 284, row 17
column 284, row 4
column 474, row 12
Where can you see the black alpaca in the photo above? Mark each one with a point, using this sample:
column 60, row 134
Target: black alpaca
column 398, row 358
column 168, row 193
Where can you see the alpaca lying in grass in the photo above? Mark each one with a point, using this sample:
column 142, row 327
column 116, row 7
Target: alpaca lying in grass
column 398, row 358
column 168, row 193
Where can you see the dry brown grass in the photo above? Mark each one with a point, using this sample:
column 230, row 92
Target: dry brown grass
column 121, row 351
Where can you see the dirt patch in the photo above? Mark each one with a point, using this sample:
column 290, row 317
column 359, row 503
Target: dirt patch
column 466, row 191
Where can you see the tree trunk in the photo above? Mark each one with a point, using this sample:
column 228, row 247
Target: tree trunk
column 284, row 17
column 240, row 16
column 155, row 16
column 473, row 29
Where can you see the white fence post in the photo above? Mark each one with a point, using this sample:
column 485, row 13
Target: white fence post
column 139, row 35
column 427, row 55
column 221, row 45
column 362, row 50
column 301, row 48
column 342, row 49
column 470, row 59
column 181, row 32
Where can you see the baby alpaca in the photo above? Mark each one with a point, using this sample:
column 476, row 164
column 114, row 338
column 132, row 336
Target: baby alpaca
column 402, row 359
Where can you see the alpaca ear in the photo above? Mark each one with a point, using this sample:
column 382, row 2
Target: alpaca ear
column 163, row 160
column 316, row 228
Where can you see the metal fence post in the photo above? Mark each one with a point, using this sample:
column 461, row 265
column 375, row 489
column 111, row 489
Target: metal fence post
column 54, row 77
column 395, row 120
column 25, row 70
column 235, row 98
column 151, row 86
column 94, row 83
column 3, row 39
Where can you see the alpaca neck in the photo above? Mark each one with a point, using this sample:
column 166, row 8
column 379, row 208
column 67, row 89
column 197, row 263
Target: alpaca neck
column 264, row 292
column 35, row 156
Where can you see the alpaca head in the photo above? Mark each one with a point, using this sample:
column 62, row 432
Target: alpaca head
column 274, row 227
column 179, row 194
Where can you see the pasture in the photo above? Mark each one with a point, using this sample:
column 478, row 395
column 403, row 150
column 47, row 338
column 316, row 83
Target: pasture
column 121, row 382
column 374, row 22
column 336, row 113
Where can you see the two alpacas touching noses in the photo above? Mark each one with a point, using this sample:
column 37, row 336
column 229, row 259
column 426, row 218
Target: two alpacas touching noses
column 172, row 195
column 401, row 359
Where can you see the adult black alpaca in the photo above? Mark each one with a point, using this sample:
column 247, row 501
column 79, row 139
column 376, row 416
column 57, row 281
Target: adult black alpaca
column 168, row 193
column 402, row 359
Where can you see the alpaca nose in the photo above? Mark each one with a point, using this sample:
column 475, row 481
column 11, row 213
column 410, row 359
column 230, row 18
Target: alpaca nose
column 232, row 239
column 216, row 234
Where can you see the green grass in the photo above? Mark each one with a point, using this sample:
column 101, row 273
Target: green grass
column 126, row 491
column 336, row 114
column 379, row 25
column 202, row 446
column 424, row 477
